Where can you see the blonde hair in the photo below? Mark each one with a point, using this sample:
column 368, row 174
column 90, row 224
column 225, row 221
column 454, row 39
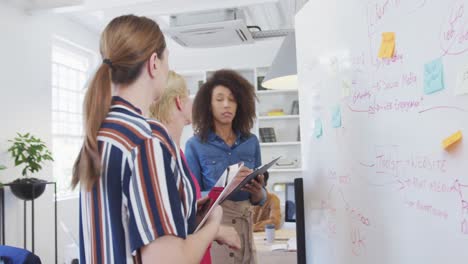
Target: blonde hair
column 176, row 86
column 126, row 44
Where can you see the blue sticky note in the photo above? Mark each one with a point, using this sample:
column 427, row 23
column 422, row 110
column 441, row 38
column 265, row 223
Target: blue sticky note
column 336, row 116
column 433, row 76
column 318, row 129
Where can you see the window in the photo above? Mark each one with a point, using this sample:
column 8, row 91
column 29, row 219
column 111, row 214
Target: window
column 70, row 70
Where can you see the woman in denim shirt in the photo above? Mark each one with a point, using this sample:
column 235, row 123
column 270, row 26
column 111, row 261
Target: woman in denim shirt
column 223, row 115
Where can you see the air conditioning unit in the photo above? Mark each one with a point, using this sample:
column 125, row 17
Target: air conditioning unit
column 210, row 29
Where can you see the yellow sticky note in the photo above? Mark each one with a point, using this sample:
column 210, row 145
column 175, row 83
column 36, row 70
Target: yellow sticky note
column 388, row 45
column 452, row 140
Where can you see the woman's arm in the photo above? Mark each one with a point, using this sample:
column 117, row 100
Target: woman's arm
column 172, row 249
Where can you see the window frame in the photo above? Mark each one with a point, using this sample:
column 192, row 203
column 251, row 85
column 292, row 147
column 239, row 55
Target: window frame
column 57, row 134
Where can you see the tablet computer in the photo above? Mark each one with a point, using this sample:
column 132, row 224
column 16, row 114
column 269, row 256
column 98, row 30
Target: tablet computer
column 260, row 170
column 233, row 184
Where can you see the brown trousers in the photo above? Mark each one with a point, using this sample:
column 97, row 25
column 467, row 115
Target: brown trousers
column 238, row 215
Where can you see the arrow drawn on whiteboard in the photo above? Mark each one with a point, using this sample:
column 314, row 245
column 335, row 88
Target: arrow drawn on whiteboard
column 443, row 107
column 356, row 110
column 402, row 185
column 385, row 184
column 367, row 165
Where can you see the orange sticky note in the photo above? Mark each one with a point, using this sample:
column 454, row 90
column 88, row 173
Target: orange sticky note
column 388, row 45
column 452, row 140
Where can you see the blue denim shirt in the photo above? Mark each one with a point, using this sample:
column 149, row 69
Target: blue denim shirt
column 209, row 159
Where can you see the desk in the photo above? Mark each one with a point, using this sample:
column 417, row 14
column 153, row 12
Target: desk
column 264, row 253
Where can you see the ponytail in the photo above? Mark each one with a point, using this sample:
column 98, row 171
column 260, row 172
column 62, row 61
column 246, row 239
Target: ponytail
column 126, row 44
column 97, row 101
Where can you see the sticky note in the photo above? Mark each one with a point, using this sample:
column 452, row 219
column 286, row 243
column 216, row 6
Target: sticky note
column 387, row 47
column 450, row 141
column 462, row 82
column 433, row 76
column 336, row 116
column 318, row 129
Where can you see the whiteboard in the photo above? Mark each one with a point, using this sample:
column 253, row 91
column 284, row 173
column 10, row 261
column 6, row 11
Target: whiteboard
column 379, row 187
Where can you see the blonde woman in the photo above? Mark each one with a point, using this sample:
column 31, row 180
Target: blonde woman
column 174, row 110
column 136, row 200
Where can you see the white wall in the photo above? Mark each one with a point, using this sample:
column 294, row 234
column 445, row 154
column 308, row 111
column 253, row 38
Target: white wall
column 25, row 71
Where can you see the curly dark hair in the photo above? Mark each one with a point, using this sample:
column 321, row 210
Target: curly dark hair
column 244, row 94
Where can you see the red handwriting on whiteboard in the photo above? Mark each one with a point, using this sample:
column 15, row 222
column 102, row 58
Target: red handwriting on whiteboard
column 342, row 179
column 397, row 58
column 397, row 105
column 382, row 85
column 379, row 11
column 367, row 100
column 359, row 96
column 462, row 189
column 358, row 242
column 427, row 185
column 345, row 179
column 409, row 79
column 354, row 212
column 428, row 209
column 454, row 35
column 389, row 160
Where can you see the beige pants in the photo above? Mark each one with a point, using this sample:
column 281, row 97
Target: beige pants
column 238, row 215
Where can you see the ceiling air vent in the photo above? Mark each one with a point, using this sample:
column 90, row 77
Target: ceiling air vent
column 210, row 29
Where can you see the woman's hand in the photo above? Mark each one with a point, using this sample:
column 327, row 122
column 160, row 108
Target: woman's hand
column 203, row 206
column 215, row 216
column 228, row 235
column 255, row 188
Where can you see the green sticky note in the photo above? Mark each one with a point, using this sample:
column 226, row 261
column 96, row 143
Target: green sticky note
column 433, row 76
column 318, row 129
column 336, row 116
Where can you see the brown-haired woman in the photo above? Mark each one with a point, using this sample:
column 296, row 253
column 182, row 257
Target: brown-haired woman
column 137, row 204
column 223, row 115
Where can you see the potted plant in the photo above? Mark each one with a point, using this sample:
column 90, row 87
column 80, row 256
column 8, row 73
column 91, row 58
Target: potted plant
column 30, row 152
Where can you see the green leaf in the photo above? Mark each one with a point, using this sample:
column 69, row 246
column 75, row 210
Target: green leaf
column 29, row 151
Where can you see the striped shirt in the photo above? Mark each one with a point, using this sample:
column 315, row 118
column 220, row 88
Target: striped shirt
column 145, row 190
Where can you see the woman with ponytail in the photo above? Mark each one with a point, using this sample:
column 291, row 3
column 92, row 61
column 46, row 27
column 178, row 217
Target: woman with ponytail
column 137, row 203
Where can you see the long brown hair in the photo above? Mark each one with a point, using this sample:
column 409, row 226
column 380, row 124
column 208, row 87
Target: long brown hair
column 244, row 94
column 126, row 44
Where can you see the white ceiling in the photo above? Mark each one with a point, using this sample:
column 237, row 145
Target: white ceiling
column 95, row 14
